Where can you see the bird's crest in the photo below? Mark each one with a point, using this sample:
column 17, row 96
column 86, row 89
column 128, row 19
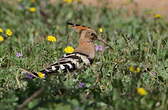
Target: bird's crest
column 78, row 26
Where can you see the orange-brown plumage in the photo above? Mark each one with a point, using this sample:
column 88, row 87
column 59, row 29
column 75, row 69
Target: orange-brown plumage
column 86, row 40
column 86, row 43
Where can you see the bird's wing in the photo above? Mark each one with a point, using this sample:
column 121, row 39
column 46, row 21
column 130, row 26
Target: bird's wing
column 67, row 63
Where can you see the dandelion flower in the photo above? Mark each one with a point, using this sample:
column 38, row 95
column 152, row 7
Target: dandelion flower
column 68, row 1
column 1, row 30
column 137, row 70
column 32, row 9
column 131, row 68
column 9, row 32
column 1, row 39
column 101, row 30
column 157, row 16
column 134, row 69
column 142, row 91
column 69, row 49
column 41, row 75
column 51, row 38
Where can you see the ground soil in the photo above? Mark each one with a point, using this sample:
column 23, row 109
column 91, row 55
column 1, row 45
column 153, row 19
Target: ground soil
column 154, row 6
column 140, row 6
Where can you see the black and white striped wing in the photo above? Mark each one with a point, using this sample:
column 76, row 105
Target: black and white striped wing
column 67, row 63
column 70, row 62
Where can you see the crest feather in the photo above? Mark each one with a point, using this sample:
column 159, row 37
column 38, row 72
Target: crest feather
column 77, row 26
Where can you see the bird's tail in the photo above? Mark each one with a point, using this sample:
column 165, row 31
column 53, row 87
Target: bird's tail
column 68, row 63
column 28, row 74
column 41, row 74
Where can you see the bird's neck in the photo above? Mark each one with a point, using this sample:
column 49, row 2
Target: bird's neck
column 86, row 47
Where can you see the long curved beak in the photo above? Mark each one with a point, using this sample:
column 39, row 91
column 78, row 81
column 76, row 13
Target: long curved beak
column 104, row 42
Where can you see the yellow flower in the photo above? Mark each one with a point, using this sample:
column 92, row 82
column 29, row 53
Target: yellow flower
column 41, row 75
column 69, row 49
column 32, row 9
column 51, row 38
column 8, row 32
column 137, row 69
column 134, row 69
column 1, row 30
column 1, row 39
column 157, row 16
column 131, row 68
column 142, row 91
column 101, row 29
column 68, row 1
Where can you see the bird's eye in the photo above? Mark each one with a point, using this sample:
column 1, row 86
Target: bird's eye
column 93, row 34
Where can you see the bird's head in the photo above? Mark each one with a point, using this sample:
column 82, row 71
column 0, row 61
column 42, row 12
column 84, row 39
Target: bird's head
column 86, row 33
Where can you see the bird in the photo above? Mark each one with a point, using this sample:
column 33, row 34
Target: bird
column 82, row 56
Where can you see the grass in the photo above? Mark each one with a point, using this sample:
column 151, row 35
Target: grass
column 109, row 84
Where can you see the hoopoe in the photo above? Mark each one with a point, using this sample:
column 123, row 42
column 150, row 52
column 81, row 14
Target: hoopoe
column 82, row 56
